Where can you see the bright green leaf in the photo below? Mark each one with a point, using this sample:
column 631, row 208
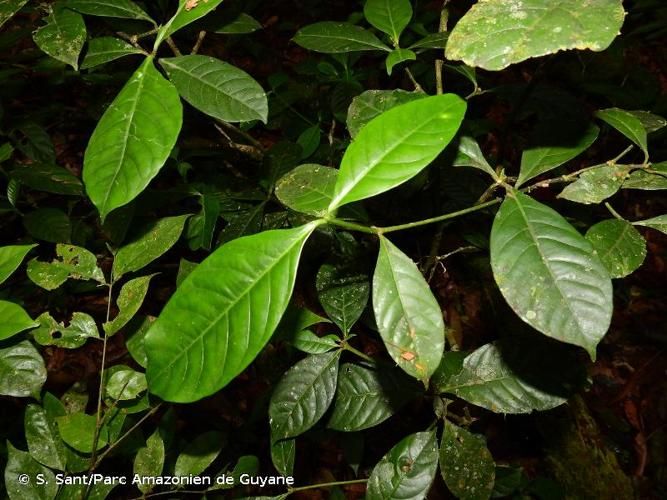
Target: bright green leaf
column 106, row 49
column 14, row 319
column 396, row 146
column 597, row 184
column 125, row 9
column 199, row 453
column 132, row 140
column 306, row 341
column 129, row 301
column 308, row 188
column 389, row 16
column 372, row 103
column 561, row 287
column 10, row 259
column 223, row 314
column 71, row 262
column 334, row 38
column 125, row 384
column 627, row 124
column 63, row 35
column 619, row 246
column 81, row 327
column 19, row 463
column 78, row 431
column 41, row 434
column 149, row 460
column 22, row 370
column 242, row 25
column 188, row 11
column 343, row 291
column 399, row 56
column 659, row 223
column 8, row 8
column 408, row 317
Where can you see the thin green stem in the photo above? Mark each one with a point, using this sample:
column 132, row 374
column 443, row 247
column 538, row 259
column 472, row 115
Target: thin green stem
column 418, row 88
column 614, row 212
column 357, row 352
column 353, row 226
column 327, row 485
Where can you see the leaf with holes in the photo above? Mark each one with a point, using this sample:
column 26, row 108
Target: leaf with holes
column 63, row 35
column 619, row 245
column 81, row 327
column 334, row 38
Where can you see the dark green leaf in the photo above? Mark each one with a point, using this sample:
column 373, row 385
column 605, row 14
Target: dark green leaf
column 619, row 246
column 10, row 259
column 652, row 178
column 41, row 434
column 48, row 178
column 14, row 319
column 651, row 122
column 282, row 455
column 63, row 35
column 398, row 56
column 389, row 16
column 659, row 223
column 188, row 11
column 106, row 49
column 202, row 225
column 627, row 124
column 597, row 184
column 372, row 103
column 431, row 41
column 129, row 301
column 48, row 224
column 469, row 154
column 333, row 38
column 343, row 292
column 22, row 370
column 309, row 140
column 242, row 25
column 308, row 188
column 199, row 454
column 105, row 8
column 149, row 460
column 20, row 463
column 8, row 8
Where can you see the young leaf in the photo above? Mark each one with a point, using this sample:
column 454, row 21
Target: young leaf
column 282, row 455
column 8, row 8
column 389, row 16
column 14, row 319
column 223, row 314
column 470, row 154
column 242, row 25
column 20, row 463
column 627, row 124
column 560, row 287
column 124, row 9
column 132, row 140
column 81, row 327
column 343, row 292
column 106, row 49
column 466, row 463
column 659, row 223
column 22, row 370
column 307, row 189
column 597, row 184
column 152, row 240
column 217, row 88
column 129, row 301
column 188, row 12
column 63, row 35
column 125, row 384
column 408, row 317
column 407, row 471
column 366, row 397
column 396, row 146
column 199, row 454
column 149, row 460
column 399, row 56
column 335, row 38
column 41, row 434
column 372, row 103
column 78, row 431
column 496, row 33
column 303, row 395
column 538, row 160
column 619, row 246
column 10, row 259
column 306, row 341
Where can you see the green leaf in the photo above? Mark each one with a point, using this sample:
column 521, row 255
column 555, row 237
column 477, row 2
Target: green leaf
column 343, row 291
column 399, row 56
column 202, row 225
column 20, row 463
column 470, row 154
column 372, row 103
column 282, row 455
column 407, row 471
column 106, row 49
column 242, row 25
column 126, row 384
column 396, row 146
column 10, row 259
column 132, row 140
column 652, row 178
column 63, row 35
column 124, row 9
column 335, row 38
column 41, row 434
column 619, row 246
column 627, row 124
column 431, row 41
column 134, row 340
column 78, row 431
column 306, row 341
column 366, row 397
column 561, row 149
column 560, row 287
column 129, row 301
column 303, row 395
column 408, row 317
column 199, row 454
column 151, row 241
column 496, row 33
column 389, row 16
column 71, row 262
column 486, row 379
column 597, row 184
column 188, row 11
column 466, row 463
column 308, row 188
column 8, row 8
column 48, row 224
column 14, row 319
column 81, row 327
column 650, row 122
column 309, row 140
column 22, row 370
column 659, row 223
column 149, row 460
column 48, row 178
column 217, row 88
column 6, row 150
column 223, row 314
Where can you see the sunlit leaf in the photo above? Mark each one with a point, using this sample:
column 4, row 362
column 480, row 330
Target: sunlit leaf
column 14, row 319
column 11, row 257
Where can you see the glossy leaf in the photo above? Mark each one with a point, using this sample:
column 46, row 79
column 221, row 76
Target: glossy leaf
column 125, row 9
column 389, row 16
column 399, row 56
column 303, row 395
column 134, row 339
column 41, row 434
column 242, row 25
column 125, row 384
column 283, row 454
column 8, row 8
column 198, row 346
column 188, row 11
column 538, row 160
column 106, row 49
column 22, row 370
column 431, row 41
column 653, row 178
column 366, row 397
column 129, row 301
column 81, row 327
column 343, row 292
column 306, row 341
column 199, row 454
column 149, row 460
column 396, row 146
column 48, row 224
column 407, row 471
column 48, row 178
column 132, row 140
column 627, row 124
column 217, row 88
column 466, row 464
column 659, row 223
column 78, row 431
column 469, row 154
column 63, row 35
column 408, row 317
column 308, row 188
column 560, row 287
column 334, row 38
column 10, row 259
column 619, row 246
column 597, row 184
column 372, row 103
column 19, row 463
column 486, row 379
column 496, row 33
column 14, row 319
column 151, row 241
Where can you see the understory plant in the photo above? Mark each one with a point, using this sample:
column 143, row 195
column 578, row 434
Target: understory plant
column 334, row 212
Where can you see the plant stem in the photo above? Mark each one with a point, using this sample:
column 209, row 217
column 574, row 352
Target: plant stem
column 200, row 40
column 353, row 226
column 614, row 212
column 418, row 88
column 245, row 135
column 357, row 352
column 327, row 485
column 173, row 46
column 439, row 63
